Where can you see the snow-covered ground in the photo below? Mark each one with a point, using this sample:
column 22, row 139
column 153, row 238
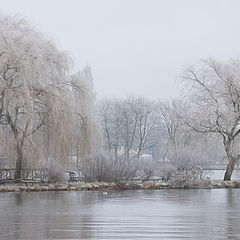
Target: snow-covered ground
column 219, row 174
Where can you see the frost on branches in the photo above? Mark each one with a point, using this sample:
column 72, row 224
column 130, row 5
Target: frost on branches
column 39, row 107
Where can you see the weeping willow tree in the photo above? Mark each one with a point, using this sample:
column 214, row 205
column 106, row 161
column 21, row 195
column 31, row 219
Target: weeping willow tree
column 88, row 135
column 38, row 110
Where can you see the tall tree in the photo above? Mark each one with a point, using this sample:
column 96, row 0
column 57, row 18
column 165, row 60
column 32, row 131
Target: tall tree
column 34, row 86
column 212, row 93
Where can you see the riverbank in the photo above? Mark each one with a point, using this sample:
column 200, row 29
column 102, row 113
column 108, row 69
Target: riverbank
column 123, row 185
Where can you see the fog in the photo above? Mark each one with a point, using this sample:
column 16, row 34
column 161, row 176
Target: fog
column 136, row 47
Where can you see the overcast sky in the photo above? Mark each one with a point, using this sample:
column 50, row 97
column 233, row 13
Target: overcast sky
column 136, row 46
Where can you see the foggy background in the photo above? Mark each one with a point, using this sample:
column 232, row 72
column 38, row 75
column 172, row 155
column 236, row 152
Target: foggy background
column 135, row 46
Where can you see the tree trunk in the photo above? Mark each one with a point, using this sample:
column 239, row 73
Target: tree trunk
column 229, row 171
column 138, row 154
column 18, row 168
column 116, row 153
column 127, row 153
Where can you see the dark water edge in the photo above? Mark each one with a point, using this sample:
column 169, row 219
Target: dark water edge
column 139, row 214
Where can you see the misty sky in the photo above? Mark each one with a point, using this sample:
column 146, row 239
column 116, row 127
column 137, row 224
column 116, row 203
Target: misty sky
column 136, row 46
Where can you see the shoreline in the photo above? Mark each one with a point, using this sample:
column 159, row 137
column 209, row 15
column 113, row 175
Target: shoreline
column 121, row 185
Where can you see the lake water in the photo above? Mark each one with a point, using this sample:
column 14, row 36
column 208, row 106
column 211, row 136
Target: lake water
column 155, row 214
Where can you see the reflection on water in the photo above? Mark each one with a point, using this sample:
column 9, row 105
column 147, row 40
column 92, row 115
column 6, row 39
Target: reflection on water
column 163, row 214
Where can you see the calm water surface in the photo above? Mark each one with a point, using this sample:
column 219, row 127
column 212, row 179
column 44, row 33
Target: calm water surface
column 162, row 214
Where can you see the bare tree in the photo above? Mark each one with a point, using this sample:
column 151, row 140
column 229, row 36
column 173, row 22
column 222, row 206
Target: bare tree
column 212, row 93
column 87, row 130
column 185, row 150
column 148, row 132
column 128, row 124
column 166, row 115
column 129, row 110
column 111, row 121
column 31, row 72
column 37, row 107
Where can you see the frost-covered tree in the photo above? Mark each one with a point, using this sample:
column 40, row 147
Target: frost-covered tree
column 128, row 124
column 111, row 123
column 88, row 135
column 148, row 130
column 212, row 93
column 182, row 147
column 169, row 121
column 37, row 105
column 32, row 75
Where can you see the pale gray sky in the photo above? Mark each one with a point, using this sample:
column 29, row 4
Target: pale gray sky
column 136, row 46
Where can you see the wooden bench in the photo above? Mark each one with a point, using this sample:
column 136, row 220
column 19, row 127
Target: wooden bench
column 6, row 181
column 74, row 176
column 27, row 182
column 75, row 179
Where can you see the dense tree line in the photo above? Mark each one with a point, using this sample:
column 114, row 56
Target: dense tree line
column 48, row 116
column 136, row 127
column 200, row 128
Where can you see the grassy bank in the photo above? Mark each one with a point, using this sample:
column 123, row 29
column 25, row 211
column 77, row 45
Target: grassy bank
column 122, row 185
